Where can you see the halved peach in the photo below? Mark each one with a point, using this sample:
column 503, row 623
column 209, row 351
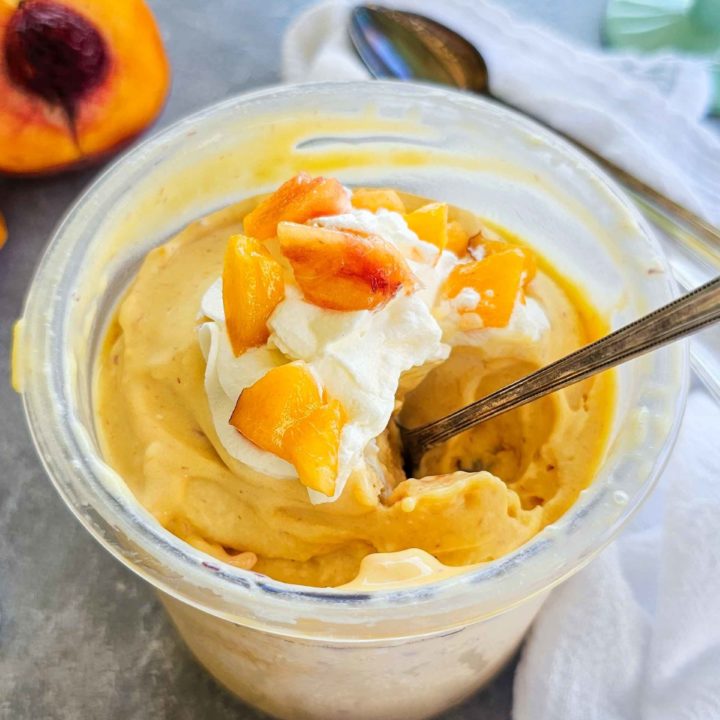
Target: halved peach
column 267, row 409
column 429, row 223
column 299, row 199
column 498, row 279
column 344, row 269
column 373, row 199
column 252, row 287
column 457, row 238
column 312, row 445
column 491, row 246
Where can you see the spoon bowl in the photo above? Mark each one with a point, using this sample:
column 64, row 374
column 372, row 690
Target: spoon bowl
column 407, row 46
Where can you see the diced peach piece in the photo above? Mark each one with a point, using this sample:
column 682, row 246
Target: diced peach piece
column 265, row 410
column 429, row 223
column 373, row 199
column 3, row 230
column 344, row 269
column 312, row 445
column 457, row 238
column 298, row 200
column 491, row 246
column 498, row 280
column 252, row 287
column 530, row 267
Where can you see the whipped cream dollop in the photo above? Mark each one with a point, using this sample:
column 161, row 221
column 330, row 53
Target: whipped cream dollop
column 359, row 357
column 463, row 327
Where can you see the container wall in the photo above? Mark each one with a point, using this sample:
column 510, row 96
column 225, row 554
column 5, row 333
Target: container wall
column 298, row 679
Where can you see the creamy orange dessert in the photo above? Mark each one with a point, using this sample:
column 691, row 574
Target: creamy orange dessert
column 251, row 380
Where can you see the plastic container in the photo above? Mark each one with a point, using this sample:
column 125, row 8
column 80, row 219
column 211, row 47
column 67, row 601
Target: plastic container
column 299, row 652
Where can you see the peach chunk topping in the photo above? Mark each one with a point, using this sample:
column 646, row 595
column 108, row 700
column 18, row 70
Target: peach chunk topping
column 265, row 410
column 252, row 287
column 373, row 199
column 492, row 246
column 499, row 278
column 285, row 414
column 430, row 223
column 312, row 446
column 344, row 269
column 299, row 199
column 457, row 239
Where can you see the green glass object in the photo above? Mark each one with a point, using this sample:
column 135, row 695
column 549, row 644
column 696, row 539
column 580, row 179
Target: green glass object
column 692, row 26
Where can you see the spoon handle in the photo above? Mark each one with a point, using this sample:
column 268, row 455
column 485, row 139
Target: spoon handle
column 681, row 317
column 692, row 243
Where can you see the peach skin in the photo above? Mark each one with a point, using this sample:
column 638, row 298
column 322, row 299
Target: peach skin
column 344, row 269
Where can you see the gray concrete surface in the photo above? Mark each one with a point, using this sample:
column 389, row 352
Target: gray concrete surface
column 80, row 636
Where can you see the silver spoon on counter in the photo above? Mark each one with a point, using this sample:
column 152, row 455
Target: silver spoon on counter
column 686, row 315
column 406, row 46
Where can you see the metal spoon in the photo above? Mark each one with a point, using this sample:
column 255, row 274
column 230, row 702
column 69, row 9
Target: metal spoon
column 407, row 46
column 397, row 44
column 688, row 314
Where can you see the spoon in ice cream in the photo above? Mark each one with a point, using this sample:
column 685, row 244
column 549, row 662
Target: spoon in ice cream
column 407, row 46
column 686, row 315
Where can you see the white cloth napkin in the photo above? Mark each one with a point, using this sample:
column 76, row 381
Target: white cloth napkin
column 641, row 114
column 636, row 635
